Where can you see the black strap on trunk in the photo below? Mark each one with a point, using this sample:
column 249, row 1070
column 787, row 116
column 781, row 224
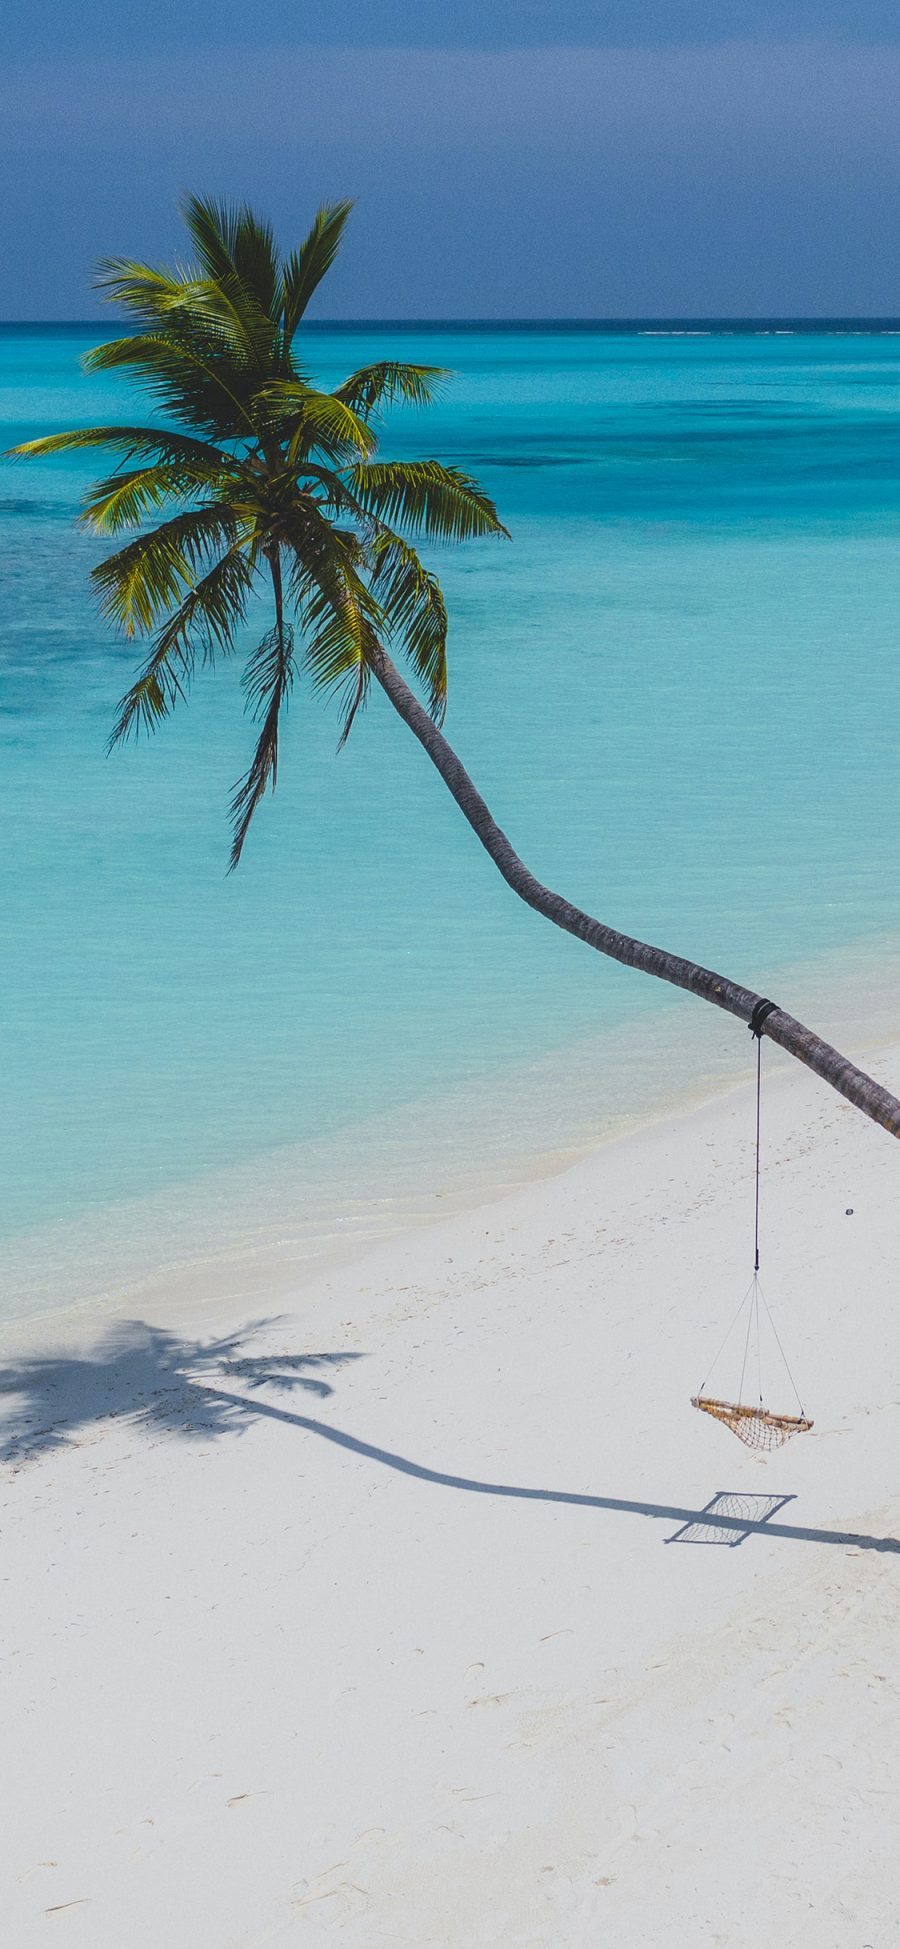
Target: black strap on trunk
column 760, row 1015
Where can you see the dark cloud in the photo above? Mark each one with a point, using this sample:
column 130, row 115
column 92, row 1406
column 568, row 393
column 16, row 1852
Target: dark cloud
column 733, row 178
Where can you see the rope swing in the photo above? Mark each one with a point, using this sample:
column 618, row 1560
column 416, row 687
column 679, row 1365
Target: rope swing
column 754, row 1424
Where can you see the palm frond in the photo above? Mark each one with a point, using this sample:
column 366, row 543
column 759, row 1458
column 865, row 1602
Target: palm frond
column 185, row 303
column 414, row 609
column 198, row 379
column 202, row 624
column 376, row 386
column 268, row 681
column 133, row 442
column 152, row 573
column 333, row 633
column 234, row 244
column 333, row 494
column 314, row 419
column 227, row 303
column 212, row 229
column 338, row 637
column 337, row 608
column 257, row 262
column 424, row 497
column 356, row 697
column 319, row 552
column 305, row 268
column 147, row 293
column 125, row 499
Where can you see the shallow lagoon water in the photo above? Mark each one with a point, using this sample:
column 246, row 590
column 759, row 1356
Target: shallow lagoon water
column 677, row 686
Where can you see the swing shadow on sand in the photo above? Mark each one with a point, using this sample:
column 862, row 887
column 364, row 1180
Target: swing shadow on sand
column 729, row 1518
column 158, row 1380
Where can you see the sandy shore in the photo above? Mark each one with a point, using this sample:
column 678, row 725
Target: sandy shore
column 403, row 1617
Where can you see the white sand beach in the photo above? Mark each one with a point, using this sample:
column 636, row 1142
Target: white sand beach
column 404, row 1617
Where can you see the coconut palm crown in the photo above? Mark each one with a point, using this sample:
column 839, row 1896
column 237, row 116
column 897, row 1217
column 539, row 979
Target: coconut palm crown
column 258, row 473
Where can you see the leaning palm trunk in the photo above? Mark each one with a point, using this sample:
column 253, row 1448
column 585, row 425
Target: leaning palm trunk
column 260, row 467
column 859, row 1089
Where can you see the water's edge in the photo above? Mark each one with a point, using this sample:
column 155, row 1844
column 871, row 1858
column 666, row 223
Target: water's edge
column 260, row 1231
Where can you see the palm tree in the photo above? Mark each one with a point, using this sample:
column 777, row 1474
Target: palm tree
column 260, row 474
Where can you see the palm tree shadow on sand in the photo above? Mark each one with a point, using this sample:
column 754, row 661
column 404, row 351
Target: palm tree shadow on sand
column 148, row 1376
column 205, row 1389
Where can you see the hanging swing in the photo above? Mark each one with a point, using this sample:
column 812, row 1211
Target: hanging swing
column 756, row 1425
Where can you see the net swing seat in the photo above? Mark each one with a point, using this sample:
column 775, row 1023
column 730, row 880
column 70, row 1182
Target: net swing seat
column 758, row 1426
column 754, row 1424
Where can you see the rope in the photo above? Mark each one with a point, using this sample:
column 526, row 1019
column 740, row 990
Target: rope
column 783, row 1355
column 754, row 1293
column 756, row 1192
column 758, row 1345
column 715, row 1361
column 752, row 1296
column 761, row 1013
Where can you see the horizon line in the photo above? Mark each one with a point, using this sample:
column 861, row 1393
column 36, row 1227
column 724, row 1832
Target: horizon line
column 536, row 322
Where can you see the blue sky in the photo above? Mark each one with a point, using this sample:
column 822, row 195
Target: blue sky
column 510, row 158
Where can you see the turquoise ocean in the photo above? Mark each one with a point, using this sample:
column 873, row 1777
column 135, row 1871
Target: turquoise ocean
column 678, row 685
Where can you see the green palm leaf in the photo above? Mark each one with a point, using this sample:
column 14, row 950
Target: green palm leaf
column 197, row 377
column 413, row 604
column 133, row 442
column 423, row 497
column 125, row 499
column 305, row 268
column 248, row 334
column 318, row 420
column 376, row 386
column 148, row 294
column 236, row 247
column 222, row 307
column 204, row 622
column 268, row 681
column 153, row 573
